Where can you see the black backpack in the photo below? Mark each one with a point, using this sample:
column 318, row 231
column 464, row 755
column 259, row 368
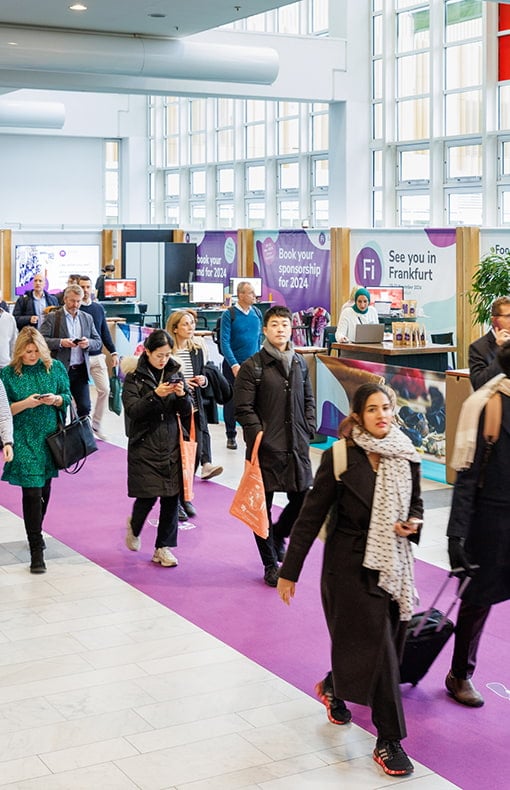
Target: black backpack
column 216, row 333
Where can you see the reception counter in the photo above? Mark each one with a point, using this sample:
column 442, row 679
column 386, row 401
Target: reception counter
column 429, row 357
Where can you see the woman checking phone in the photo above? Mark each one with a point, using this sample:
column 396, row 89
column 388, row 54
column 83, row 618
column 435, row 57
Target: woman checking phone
column 367, row 576
column 154, row 395
column 37, row 387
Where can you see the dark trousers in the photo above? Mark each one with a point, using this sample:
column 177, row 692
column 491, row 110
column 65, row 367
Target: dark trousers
column 228, row 408
column 468, row 630
column 168, row 523
column 277, row 532
column 387, row 711
column 35, row 503
column 79, row 386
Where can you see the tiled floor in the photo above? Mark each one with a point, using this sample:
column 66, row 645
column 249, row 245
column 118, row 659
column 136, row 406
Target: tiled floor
column 101, row 686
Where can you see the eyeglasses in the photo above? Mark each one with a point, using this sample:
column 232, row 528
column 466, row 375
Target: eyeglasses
column 502, row 315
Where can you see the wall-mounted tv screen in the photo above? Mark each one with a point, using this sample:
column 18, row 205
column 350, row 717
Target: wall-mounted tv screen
column 393, row 294
column 206, row 293
column 56, row 262
column 120, row 289
column 255, row 281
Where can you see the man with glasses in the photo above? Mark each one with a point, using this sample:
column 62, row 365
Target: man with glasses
column 483, row 364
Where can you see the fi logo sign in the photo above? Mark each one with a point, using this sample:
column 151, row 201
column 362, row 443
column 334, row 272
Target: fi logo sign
column 368, row 267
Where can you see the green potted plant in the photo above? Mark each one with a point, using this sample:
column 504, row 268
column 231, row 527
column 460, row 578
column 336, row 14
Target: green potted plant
column 491, row 279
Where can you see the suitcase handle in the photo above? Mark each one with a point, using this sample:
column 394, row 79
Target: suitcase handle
column 458, row 594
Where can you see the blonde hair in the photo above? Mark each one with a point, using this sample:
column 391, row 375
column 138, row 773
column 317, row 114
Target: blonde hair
column 173, row 321
column 30, row 335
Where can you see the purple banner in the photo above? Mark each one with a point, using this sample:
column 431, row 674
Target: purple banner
column 216, row 255
column 295, row 268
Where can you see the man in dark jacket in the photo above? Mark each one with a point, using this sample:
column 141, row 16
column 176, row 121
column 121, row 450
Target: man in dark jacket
column 29, row 308
column 71, row 335
column 273, row 394
column 483, row 363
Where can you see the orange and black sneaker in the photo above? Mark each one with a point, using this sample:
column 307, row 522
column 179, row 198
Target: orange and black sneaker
column 392, row 758
column 338, row 713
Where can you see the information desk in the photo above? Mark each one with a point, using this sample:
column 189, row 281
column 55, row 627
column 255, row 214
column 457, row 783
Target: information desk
column 207, row 315
column 126, row 310
column 429, row 357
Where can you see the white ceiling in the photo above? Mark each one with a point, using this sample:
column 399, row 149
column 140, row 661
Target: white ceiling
column 180, row 17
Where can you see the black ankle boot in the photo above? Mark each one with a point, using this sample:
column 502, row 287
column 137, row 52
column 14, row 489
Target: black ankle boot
column 37, row 564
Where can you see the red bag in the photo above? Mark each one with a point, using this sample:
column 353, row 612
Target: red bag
column 188, row 456
column 249, row 503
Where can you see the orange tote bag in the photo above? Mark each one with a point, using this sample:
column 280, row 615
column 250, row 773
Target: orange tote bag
column 188, row 456
column 249, row 503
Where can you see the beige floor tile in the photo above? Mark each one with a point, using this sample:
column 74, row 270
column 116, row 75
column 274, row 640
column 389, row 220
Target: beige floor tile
column 91, row 754
column 100, row 776
column 14, row 771
column 188, row 763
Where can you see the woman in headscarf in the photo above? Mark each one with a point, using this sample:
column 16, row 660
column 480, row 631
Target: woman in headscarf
column 367, row 583
column 360, row 312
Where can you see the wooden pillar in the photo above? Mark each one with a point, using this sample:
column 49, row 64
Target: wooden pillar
column 340, row 269
column 245, row 253
column 468, row 259
column 6, row 264
column 178, row 236
column 111, row 249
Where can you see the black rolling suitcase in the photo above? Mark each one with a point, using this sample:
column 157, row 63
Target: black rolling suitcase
column 427, row 634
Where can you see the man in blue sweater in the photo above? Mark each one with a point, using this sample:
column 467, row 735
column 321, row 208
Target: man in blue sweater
column 98, row 369
column 239, row 339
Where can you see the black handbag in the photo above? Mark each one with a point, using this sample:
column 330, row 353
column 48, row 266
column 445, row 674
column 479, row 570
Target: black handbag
column 115, row 399
column 71, row 443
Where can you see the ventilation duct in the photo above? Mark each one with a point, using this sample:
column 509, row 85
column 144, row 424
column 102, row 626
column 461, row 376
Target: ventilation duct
column 79, row 53
column 32, row 114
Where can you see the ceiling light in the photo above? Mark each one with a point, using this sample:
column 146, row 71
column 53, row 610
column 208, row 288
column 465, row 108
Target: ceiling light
column 78, row 7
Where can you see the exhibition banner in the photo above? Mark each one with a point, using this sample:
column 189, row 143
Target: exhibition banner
column 496, row 239
column 421, row 261
column 295, row 267
column 420, row 412
column 216, row 254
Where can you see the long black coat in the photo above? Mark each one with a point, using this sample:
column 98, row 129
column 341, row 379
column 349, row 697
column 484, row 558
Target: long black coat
column 151, row 424
column 357, row 610
column 284, row 408
column 481, row 515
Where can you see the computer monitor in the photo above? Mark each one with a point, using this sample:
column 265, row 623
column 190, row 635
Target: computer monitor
column 206, row 293
column 255, row 281
column 120, row 289
column 389, row 293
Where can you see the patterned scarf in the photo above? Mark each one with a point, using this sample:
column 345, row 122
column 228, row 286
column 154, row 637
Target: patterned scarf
column 386, row 551
column 469, row 417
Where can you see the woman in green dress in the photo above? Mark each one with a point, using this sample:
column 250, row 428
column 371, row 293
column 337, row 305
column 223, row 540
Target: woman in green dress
column 37, row 386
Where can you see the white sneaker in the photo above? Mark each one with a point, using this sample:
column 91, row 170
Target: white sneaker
column 132, row 541
column 165, row 557
column 99, row 434
column 209, row 470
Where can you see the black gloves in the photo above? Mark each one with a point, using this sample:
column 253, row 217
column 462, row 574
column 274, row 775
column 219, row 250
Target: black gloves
column 458, row 557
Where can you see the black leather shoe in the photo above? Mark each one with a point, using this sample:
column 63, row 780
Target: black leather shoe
column 231, row 444
column 182, row 515
column 271, row 575
column 463, row 691
column 189, row 509
column 37, row 564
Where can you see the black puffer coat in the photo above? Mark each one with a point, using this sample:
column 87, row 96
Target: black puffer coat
column 151, row 424
column 284, row 408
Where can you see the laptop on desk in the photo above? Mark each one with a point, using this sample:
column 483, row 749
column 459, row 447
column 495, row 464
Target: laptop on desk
column 369, row 333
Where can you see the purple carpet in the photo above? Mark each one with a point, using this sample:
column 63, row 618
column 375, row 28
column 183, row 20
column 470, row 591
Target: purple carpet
column 218, row 586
